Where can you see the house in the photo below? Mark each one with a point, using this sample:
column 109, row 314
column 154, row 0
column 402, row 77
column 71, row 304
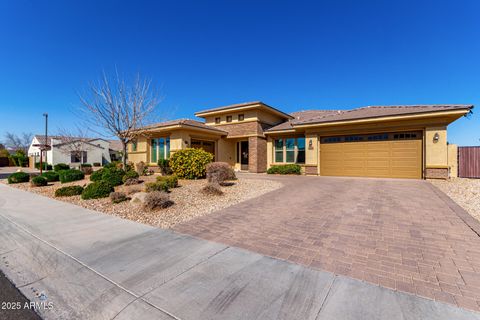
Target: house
column 375, row 141
column 73, row 150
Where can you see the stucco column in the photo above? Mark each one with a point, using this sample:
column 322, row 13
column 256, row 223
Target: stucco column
column 311, row 154
column 436, row 153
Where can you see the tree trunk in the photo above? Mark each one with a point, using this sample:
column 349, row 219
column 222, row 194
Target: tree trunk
column 124, row 158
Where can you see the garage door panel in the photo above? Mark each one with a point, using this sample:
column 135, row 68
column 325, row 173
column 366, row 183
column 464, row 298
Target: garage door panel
column 393, row 158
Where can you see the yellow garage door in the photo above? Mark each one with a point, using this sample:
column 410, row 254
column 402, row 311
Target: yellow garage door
column 388, row 155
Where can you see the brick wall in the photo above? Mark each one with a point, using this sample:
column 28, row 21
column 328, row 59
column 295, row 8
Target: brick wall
column 257, row 154
column 311, row 170
column 436, row 173
column 241, row 129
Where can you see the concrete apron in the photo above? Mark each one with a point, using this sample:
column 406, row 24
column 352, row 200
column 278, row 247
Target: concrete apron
column 90, row 265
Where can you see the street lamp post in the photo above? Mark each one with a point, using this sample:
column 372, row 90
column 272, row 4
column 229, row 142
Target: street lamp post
column 46, row 138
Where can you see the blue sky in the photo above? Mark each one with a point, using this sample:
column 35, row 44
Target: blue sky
column 293, row 55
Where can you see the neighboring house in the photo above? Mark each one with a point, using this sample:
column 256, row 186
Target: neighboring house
column 116, row 150
column 376, row 141
column 72, row 150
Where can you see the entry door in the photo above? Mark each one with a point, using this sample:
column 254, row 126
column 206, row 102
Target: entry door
column 244, row 155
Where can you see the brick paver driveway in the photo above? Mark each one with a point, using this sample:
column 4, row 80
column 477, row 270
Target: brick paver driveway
column 400, row 234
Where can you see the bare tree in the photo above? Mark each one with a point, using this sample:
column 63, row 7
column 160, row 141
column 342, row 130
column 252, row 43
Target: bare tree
column 18, row 142
column 74, row 143
column 119, row 107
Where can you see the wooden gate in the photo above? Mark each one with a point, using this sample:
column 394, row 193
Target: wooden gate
column 469, row 162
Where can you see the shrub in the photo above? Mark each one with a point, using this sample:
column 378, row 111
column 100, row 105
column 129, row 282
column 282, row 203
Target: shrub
column 19, row 159
column 164, row 165
column 18, row 177
column 212, row 189
column 69, row 191
column 113, row 176
column 38, row 181
column 285, row 169
column 130, row 175
column 190, row 163
column 45, row 166
column 60, row 167
column 85, row 165
column 51, row 176
column 95, row 190
column 117, row 197
column 96, row 175
column 157, row 200
column 113, row 164
column 97, row 164
column 171, row 181
column 156, row 186
column 219, row 172
column 70, row 175
column 140, row 168
column 86, row 168
column 131, row 181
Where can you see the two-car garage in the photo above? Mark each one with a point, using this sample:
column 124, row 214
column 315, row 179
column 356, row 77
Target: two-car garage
column 385, row 155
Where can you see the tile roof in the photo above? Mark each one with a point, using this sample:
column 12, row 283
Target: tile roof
column 243, row 104
column 186, row 122
column 114, row 144
column 325, row 116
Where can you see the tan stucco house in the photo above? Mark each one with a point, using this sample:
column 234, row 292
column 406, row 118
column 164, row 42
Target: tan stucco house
column 376, row 141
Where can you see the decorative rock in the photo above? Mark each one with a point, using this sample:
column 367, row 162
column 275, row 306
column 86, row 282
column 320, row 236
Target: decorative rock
column 138, row 198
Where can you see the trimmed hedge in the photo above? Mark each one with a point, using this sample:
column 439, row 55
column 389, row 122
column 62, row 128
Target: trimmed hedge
column 51, row 176
column 39, row 181
column 113, row 176
column 285, row 169
column 18, row 177
column 95, row 190
column 61, row 166
column 190, row 163
column 69, row 191
column 171, row 181
column 130, row 175
column 71, row 175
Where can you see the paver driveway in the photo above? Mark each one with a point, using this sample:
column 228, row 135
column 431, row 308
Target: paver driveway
column 401, row 234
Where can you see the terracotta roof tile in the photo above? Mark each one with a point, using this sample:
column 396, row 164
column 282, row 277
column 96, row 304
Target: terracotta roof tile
column 187, row 122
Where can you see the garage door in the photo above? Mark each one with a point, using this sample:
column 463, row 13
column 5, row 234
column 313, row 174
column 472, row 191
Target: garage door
column 389, row 155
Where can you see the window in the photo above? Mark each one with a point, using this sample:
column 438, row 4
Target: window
column 405, row 136
column 241, row 117
column 279, row 150
column 160, row 149
column 75, row 157
column 290, row 150
column 229, row 118
column 84, row 156
column 217, row 120
column 134, row 145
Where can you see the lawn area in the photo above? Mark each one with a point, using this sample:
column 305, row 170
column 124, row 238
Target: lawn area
column 189, row 201
column 465, row 192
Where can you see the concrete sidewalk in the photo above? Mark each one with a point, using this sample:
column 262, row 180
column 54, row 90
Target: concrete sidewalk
column 95, row 266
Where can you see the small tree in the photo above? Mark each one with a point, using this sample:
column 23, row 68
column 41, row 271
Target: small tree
column 18, row 142
column 118, row 107
column 74, row 142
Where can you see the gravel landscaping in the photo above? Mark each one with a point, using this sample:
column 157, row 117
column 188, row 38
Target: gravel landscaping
column 189, row 201
column 465, row 192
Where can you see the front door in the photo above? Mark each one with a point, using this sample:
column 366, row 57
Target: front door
column 244, row 155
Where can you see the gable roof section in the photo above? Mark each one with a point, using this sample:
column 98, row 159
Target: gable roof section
column 64, row 140
column 183, row 123
column 244, row 105
column 327, row 116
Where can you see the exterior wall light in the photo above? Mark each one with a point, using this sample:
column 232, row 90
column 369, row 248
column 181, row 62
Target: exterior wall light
column 310, row 144
column 436, row 137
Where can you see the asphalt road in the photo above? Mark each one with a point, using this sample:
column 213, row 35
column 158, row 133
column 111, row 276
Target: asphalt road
column 11, row 297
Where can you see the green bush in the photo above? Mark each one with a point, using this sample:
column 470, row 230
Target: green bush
column 97, row 164
column 39, row 181
column 85, row 165
column 51, row 176
column 157, row 186
column 61, row 166
column 113, row 176
column 18, row 177
column 285, row 169
column 164, row 165
column 96, row 175
column 19, row 159
column 69, row 191
column 171, row 181
column 190, row 163
column 95, row 190
column 70, row 175
column 130, row 175
column 45, row 166
column 113, row 164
